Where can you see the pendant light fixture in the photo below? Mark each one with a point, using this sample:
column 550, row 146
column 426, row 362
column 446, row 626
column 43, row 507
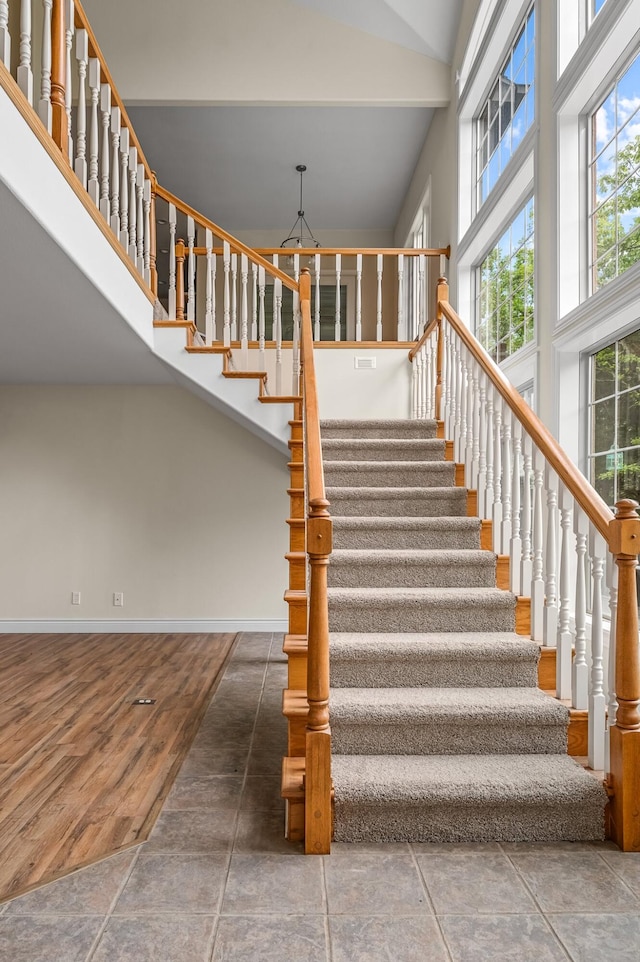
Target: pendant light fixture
column 297, row 236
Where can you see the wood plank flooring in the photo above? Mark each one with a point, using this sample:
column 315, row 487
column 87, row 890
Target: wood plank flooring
column 83, row 772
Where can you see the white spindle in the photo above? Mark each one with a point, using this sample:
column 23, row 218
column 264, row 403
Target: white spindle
column 496, row 513
column 612, row 702
column 537, row 582
column 133, row 220
column 234, row 297
column 146, row 243
column 456, row 395
column 580, row 674
column 295, row 345
column 25, row 72
column 597, row 698
column 379, row 269
column 420, row 321
column 68, row 39
column 402, row 334
column 415, row 385
column 244, row 312
column 428, row 386
column 191, row 270
column 505, row 538
column 277, row 306
column 105, row 115
column 82, row 56
column 226, row 299
column 358, row 297
column 550, row 621
column 316, row 269
column 124, row 187
column 44, row 109
column 140, row 218
column 261, row 319
column 254, row 302
column 209, row 318
column 338, row 306
column 474, row 460
column 485, row 510
column 115, row 170
column 94, row 126
column 515, row 550
column 526, row 567
column 171, row 297
column 564, row 650
column 5, row 36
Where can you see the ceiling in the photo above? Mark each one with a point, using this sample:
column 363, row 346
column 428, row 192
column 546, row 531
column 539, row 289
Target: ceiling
column 235, row 162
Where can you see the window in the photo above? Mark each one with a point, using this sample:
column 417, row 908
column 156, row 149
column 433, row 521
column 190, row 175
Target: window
column 504, row 307
column 596, row 7
column 614, row 449
column 615, row 179
column 508, row 112
column 327, row 311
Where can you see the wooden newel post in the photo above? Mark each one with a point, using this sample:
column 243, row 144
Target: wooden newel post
column 318, row 740
column 59, row 119
column 152, row 234
column 442, row 294
column 624, row 777
column 180, row 255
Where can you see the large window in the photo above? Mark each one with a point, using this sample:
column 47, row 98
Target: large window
column 508, row 112
column 615, row 179
column 504, row 307
column 614, row 450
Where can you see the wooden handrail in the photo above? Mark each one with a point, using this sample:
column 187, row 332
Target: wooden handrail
column 315, row 470
column 588, row 499
column 428, row 331
column 81, row 22
column 236, row 244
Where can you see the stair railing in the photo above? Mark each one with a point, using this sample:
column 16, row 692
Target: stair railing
column 563, row 544
column 318, row 546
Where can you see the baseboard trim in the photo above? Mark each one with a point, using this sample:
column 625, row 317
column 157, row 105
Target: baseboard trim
column 140, row 625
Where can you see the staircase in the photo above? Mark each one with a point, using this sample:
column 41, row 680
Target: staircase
column 439, row 731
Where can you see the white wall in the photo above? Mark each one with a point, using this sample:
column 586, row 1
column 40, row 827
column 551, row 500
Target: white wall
column 144, row 490
column 347, row 392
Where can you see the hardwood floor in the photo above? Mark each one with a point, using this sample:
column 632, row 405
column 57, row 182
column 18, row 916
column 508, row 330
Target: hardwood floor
column 83, row 771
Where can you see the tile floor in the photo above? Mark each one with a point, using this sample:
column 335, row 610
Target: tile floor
column 216, row 882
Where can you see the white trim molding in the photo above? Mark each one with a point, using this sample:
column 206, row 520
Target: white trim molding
column 141, row 625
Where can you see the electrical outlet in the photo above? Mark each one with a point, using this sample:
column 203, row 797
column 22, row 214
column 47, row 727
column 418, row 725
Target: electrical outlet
column 118, row 599
column 75, row 597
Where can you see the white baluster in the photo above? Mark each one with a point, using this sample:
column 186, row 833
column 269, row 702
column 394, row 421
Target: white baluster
column 415, row 385
column 82, row 56
column 133, row 219
column 244, row 312
column 209, row 318
column 254, row 303
column 515, row 550
column 140, row 218
column 124, row 187
column 115, row 170
column 550, row 622
column 358, row 297
column 316, row 268
column 580, row 672
column 277, row 304
column 105, row 114
column 234, row 297
column 496, row 511
column 5, row 36
column 379, row 269
column 474, row 461
column 94, row 87
column 481, row 483
column 526, row 567
column 191, row 270
column 420, row 321
column 537, row 582
column 401, row 334
column 261, row 325
column 485, row 509
column 597, row 699
column 25, row 73
column 464, row 396
column 427, row 385
column 171, row 303
column 455, row 394
column 295, row 345
column 68, row 39
column 44, row 108
column 146, row 242
column 505, row 538
column 612, row 702
column 226, row 302
column 564, row 650
column 338, row 271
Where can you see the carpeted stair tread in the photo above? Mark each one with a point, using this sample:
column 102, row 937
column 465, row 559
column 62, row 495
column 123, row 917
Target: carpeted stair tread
column 394, row 501
column 384, row 474
column 390, row 533
column 412, row 568
column 465, row 798
column 449, row 659
column 383, row 449
column 386, row 428
column 421, row 609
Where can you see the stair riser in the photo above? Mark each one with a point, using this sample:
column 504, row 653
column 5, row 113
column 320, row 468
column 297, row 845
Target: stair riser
column 411, row 576
column 401, row 538
column 382, row 450
column 419, row 617
column 396, row 674
column 441, row 737
column 444, row 823
column 421, row 474
column 395, row 507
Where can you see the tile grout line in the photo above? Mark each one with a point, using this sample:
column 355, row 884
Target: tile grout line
column 425, row 887
column 328, row 945
column 542, row 914
column 114, row 902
